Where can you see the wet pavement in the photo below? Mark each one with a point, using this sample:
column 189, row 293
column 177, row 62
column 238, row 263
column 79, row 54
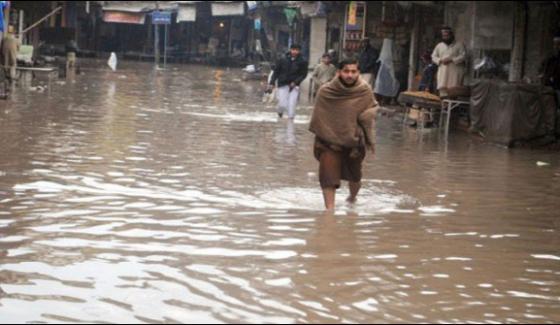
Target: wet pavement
column 177, row 196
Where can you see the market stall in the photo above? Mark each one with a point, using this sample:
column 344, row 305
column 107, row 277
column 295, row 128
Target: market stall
column 506, row 113
column 421, row 106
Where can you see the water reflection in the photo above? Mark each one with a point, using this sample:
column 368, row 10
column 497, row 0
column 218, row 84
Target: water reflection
column 176, row 196
column 286, row 133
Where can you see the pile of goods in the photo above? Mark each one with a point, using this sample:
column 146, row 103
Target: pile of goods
column 421, row 94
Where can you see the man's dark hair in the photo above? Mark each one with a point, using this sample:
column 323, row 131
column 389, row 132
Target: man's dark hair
column 346, row 62
column 295, row 46
column 326, row 55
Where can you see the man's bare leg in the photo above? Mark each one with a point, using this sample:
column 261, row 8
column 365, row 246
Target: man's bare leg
column 329, row 195
column 354, row 189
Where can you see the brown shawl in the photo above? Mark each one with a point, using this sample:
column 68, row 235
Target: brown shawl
column 345, row 116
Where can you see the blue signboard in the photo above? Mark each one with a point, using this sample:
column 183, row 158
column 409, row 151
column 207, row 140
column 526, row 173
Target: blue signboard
column 161, row 18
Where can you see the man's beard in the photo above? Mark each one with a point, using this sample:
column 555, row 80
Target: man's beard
column 450, row 40
column 347, row 84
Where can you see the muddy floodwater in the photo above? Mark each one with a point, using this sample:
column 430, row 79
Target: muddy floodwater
column 178, row 196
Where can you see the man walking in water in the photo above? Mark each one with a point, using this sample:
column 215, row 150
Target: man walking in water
column 290, row 71
column 343, row 122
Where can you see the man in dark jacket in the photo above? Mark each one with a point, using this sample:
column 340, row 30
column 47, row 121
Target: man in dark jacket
column 428, row 81
column 550, row 69
column 367, row 62
column 289, row 72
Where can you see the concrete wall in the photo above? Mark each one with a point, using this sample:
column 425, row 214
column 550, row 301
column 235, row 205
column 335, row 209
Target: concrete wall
column 318, row 40
column 542, row 21
column 459, row 16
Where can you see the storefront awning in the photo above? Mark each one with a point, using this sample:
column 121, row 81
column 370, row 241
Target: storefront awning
column 186, row 13
column 139, row 6
column 428, row 4
column 124, row 17
column 126, row 6
column 312, row 9
column 228, row 8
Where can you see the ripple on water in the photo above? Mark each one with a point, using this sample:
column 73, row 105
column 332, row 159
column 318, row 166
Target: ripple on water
column 141, row 197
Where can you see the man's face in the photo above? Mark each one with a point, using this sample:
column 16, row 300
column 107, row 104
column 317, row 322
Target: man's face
column 349, row 74
column 445, row 35
column 294, row 52
column 326, row 60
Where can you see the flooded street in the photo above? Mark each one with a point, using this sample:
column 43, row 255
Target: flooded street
column 177, row 196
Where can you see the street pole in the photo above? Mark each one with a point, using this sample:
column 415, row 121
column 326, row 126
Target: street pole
column 156, row 39
column 20, row 25
column 414, row 39
column 40, row 20
column 156, row 44
column 165, row 48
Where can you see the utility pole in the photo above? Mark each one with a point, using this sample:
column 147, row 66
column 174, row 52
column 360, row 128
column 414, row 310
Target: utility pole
column 156, row 38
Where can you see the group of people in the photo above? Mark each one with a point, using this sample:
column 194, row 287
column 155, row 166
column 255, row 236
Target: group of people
column 443, row 69
column 343, row 119
column 291, row 70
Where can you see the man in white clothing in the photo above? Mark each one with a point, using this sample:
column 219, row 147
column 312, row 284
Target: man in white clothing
column 450, row 56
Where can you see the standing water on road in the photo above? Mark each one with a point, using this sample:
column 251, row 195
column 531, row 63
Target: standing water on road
column 177, row 196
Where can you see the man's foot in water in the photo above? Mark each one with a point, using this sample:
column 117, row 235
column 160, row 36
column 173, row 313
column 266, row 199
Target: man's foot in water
column 351, row 200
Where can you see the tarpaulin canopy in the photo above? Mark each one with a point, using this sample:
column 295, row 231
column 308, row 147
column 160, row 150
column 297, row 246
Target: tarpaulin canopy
column 228, row 8
column 138, row 6
column 186, row 13
column 509, row 112
column 132, row 12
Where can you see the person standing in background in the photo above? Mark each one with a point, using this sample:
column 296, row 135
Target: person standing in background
column 3, row 6
column 428, row 81
column 323, row 73
column 368, row 62
column 10, row 48
column 450, row 57
column 550, row 69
